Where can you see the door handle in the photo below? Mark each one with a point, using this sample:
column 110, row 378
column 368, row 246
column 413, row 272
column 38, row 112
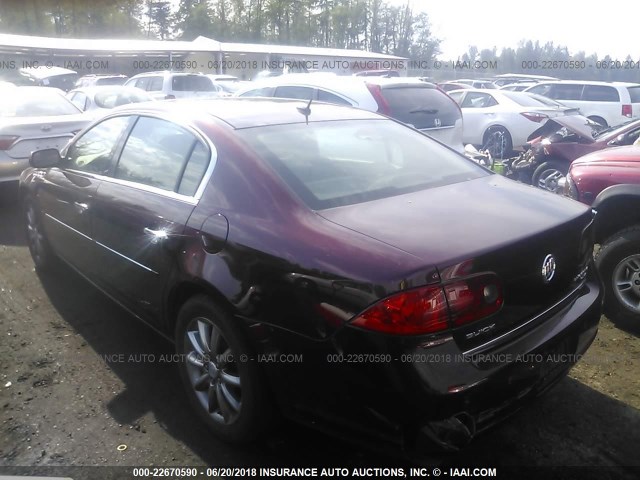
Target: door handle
column 81, row 207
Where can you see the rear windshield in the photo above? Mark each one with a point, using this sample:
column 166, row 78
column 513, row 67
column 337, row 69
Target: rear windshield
column 111, row 81
column 192, row 83
column 634, row 93
column 530, row 99
column 330, row 164
column 421, row 107
column 17, row 102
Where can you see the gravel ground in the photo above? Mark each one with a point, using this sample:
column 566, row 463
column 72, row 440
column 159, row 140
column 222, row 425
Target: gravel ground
column 70, row 394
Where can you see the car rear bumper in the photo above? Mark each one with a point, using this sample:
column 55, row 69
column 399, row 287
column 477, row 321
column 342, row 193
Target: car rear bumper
column 11, row 168
column 436, row 399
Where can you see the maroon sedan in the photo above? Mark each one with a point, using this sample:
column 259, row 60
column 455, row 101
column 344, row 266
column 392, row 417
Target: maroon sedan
column 563, row 139
column 327, row 260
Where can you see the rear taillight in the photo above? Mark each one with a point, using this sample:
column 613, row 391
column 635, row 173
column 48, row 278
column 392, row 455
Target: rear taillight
column 435, row 308
column 535, row 117
column 376, row 93
column 627, row 110
column 7, row 141
column 474, row 298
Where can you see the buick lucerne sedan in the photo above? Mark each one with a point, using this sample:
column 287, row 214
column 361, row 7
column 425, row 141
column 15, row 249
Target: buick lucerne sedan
column 325, row 261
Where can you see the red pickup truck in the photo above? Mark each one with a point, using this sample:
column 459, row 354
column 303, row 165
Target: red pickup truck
column 609, row 181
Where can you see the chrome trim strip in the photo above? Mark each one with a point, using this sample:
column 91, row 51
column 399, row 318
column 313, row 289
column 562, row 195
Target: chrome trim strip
column 70, row 228
column 513, row 332
column 127, row 258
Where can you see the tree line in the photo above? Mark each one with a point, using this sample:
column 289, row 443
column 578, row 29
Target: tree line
column 374, row 25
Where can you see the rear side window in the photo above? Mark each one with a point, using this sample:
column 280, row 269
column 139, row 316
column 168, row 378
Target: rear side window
column 191, row 83
column 79, row 99
column 194, row 170
column 93, row 152
column 478, row 100
column 258, row 92
column 303, row 93
column 155, row 153
column 567, row 91
column 600, row 93
column 155, row 85
column 634, row 93
column 329, row 97
column 421, row 107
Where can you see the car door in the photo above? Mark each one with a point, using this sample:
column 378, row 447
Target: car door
column 142, row 209
column 67, row 193
column 478, row 112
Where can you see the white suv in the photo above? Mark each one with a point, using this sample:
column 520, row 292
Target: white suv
column 419, row 104
column 167, row 85
column 607, row 103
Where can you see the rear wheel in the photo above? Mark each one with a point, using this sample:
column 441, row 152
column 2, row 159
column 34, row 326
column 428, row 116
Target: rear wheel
column 498, row 141
column 548, row 175
column 598, row 120
column 222, row 382
column 618, row 262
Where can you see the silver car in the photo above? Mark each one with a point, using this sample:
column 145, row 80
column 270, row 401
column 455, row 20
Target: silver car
column 414, row 102
column 33, row 118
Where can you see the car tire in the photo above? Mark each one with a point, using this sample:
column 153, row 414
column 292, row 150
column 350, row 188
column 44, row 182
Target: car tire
column 41, row 253
column 599, row 120
column 618, row 262
column 548, row 174
column 498, row 141
column 223, row 384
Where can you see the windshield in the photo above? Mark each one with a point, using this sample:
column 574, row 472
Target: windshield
column 34, row 102
column 330, row 164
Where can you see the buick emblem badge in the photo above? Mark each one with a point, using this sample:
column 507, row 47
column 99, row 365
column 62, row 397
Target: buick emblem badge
column 437, row 122
column 548, row 268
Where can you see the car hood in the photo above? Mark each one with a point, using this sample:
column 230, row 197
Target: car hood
column 451, row 223
column 616, row 156
column 576, row 124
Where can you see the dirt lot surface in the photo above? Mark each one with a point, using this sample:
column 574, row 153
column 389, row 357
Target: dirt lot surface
column 68, row 398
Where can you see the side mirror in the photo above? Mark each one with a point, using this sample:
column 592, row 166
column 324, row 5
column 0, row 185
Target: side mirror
column 47, row 158
column 619, row 140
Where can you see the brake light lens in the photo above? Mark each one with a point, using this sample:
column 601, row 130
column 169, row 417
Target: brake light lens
column 413, row 312
column 627, row 110
column 435, row 308
column 534, row 116
column 7, row 141
column 376, row 93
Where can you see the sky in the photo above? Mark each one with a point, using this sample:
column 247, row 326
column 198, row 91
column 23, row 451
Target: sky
column 603, row 28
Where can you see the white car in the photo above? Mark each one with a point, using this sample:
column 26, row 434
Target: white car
column 106, row 97
column 606, row 103
column 168, row 85
column 34, row 118
column 500, row 120
column 418, row 104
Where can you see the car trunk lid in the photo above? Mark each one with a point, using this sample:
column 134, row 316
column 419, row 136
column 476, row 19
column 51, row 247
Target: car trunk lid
column 489, row 224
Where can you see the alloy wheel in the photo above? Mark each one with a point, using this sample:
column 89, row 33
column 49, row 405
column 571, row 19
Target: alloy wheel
column 35, row 236
column 549, row 180
column 212, row 370
column 626, row 282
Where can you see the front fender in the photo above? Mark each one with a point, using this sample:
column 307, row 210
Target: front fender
column 617, row 207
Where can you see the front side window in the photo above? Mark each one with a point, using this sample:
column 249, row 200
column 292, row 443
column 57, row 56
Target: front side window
column 335, row 163
column 600, row 93
column 93, row 152
column 155, row 153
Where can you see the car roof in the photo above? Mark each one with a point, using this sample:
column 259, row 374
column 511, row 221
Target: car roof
column 104, row 88
column 589, row 82
column 46, row 72
column 251, row 112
